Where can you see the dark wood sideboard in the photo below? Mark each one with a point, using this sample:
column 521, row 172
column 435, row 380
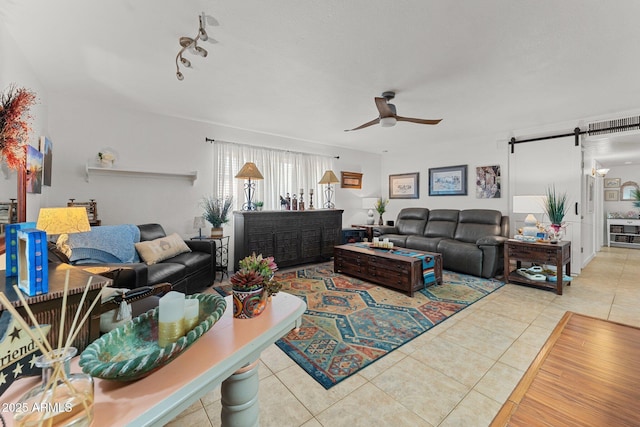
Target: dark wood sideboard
column 291, row 237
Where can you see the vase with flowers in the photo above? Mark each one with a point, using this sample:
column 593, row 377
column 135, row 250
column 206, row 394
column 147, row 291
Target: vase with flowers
column 381, row 207
column 252, row 284
column 556, row 207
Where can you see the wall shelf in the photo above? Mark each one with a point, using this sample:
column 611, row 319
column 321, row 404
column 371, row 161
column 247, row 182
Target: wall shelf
column 94, row 170
column 623, row 232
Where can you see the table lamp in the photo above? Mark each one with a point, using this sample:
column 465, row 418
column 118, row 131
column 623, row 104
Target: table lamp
column 249, row 171
column 63, row 221
column 198, row 222
column 529, row 205
column 329, row 178
column 368, row 203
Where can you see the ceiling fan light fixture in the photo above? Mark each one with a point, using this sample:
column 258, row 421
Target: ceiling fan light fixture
column 387, row 122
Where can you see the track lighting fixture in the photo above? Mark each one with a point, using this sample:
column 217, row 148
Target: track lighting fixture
column 191, row 44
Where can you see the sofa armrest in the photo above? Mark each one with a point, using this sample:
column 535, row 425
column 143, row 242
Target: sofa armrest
column 491, row 241
column 207, row 246
column 384, row 229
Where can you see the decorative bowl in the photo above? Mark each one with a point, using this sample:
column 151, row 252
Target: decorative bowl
column 131, row 351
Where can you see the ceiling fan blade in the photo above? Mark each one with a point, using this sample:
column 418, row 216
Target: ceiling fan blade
column 383, row 108
column 371, row 123
column 421, row 121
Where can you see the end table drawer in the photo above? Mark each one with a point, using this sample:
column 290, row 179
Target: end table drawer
column 534, row 254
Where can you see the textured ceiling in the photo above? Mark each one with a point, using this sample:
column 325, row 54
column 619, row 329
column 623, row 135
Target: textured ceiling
column 310, row 69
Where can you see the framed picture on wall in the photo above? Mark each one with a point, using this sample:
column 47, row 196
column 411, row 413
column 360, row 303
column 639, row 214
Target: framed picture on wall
column 611, row 195
column 351, row 180
column 448, row 181
column 611, row 182
column 488, row 182
column 404, row 186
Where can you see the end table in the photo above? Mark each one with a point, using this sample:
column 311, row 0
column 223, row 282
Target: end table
column 558, row 254
column 222, row 254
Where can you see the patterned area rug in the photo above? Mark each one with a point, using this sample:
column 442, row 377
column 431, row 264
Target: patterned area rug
column 350, row 323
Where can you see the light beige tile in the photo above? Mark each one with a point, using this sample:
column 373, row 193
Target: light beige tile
column 311, row 394
column 370, row 406
column 475, row 410
column 384, row 363
column 496, row 322
column 275, row 359
column 213, row 412
column 196, row 418
column 475, row 338
column 278, row 406
column 535, row 336
column 499, row 382
column 424, row 390
column 459, row 363
column 520, row 355
column 625, row 314
column 312, row 423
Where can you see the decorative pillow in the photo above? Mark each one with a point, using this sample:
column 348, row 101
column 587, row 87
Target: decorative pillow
column 154, row 251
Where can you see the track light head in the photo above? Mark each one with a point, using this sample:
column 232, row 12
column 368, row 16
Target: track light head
column 180, row 76
column 191, row 45
column 185, row 62
column 200, row 51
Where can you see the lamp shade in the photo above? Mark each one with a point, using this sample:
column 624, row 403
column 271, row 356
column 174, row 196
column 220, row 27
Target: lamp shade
column 368, row 202
column 329, row 178
column 528, row 204
column 198, row 222
column 249, row 171
column 63, row 220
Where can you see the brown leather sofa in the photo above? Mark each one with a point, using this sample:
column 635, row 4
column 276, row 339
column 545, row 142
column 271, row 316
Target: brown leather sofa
column 471, row 241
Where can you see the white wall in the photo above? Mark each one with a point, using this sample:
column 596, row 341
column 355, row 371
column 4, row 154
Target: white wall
column 473, row 153
column 625, row 173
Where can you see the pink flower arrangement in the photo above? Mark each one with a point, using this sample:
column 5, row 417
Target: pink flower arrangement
column 14, row 125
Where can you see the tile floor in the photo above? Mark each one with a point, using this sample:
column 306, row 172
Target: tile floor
column 457, row 374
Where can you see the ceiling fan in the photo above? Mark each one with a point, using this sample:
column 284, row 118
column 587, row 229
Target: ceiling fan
column 388, row 116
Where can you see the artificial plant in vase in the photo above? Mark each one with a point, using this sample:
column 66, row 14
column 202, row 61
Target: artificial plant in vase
column 635, row 194
column 216, row 211
column 556, row 207
column 252, row 284
column 381, row 207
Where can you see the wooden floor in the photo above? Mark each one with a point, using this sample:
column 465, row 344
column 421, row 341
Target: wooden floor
column 586, row 374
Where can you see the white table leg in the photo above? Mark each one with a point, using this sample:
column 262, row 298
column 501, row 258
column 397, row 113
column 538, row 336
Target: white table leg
column 240, row 405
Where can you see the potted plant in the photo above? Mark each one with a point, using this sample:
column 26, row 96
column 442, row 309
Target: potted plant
column 636, row 198
column 248, row 285
column 259, row 205
column 216, row 211
column 381, row 207
column 556, row 207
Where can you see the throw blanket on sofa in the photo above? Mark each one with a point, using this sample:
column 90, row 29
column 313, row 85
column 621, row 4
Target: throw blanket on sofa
column 105, row 244
column 428, row 262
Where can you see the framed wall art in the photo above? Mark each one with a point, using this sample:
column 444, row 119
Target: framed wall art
column 611, row 182
column 611, row 195
column 46, row 148
column 351, row 180
column 488, row 182
column 448, row 181
column 34, row 170
column 404, row 186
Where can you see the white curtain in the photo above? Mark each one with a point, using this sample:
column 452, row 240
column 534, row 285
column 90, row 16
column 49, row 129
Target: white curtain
column 283, row 171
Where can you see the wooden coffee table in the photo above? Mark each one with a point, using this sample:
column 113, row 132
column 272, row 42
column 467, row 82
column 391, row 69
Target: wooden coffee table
column 384, row 267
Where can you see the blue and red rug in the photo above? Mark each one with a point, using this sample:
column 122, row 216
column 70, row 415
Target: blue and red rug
column 350, row 323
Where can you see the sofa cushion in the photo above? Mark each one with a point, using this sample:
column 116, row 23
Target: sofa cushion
column 165, row 272
column 442, row 223
column 151, row 232
column 460, row 256
column 193, row 261
column 157, row 250
column 476, row 223
column 422, row 243
column 412, row 220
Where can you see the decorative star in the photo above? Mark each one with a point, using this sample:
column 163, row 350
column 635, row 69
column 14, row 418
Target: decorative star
column 15, row 334
column 3, row 378
column 32, row 362
column 18, row 370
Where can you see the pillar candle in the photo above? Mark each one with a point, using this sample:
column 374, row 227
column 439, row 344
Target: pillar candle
column 170, row 318
column 191, row 313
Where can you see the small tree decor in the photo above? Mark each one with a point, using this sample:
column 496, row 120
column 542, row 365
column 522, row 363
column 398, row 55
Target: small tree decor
column 14, row 124
column 381, row 207
column 252, row 284
column 216, row 211
column 556, row 207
